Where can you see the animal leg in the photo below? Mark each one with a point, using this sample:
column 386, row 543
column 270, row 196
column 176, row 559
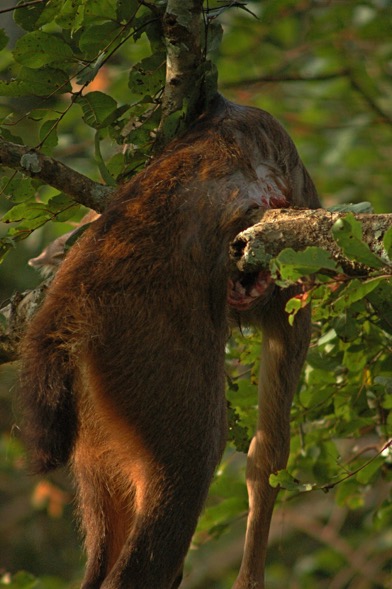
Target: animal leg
column 283, row 353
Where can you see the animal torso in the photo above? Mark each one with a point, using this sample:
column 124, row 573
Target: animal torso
column 127, row 352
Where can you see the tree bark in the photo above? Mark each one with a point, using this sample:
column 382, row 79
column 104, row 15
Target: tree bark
column 36, row 165
column 187, row 91
column 16, row 316
column 279, row 229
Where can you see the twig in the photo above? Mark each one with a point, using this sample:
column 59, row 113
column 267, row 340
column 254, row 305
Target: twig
column 275, row 78
column 24, row 5
column 352, row 473
column 369, row 100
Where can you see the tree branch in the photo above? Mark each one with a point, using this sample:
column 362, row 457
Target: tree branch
column 185, row 94
column 17, row 313
column 275, row 78
column 182, row 30
column 369, row 100
column 23, row 5
column 36, row 165
column 252, row 249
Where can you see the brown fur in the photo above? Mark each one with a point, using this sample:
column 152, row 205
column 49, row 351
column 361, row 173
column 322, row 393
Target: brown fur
column 123, row 366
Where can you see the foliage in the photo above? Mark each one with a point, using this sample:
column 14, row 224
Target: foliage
column 63, row 57
column 82, row 82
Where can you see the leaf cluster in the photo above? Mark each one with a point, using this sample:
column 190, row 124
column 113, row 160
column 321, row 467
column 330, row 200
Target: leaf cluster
column 62, row 67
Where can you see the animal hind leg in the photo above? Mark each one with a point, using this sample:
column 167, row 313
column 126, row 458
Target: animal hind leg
column 105, row 512
column 152, row 557
column 91, row 500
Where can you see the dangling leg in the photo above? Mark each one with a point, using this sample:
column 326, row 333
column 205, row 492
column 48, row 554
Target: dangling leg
column 283, row 354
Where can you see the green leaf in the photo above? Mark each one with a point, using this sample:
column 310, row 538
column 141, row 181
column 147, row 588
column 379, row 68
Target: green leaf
column 88, row 73
column 51, row 10
column 39, row 114
column 214, row 38
column 356, row 208
column 238, row 434
column 355, row 291
column 58, row 205
column 3, row 39
column 97, row 109
column 354, row 360
column 312, row 396
column 369, row 472
column 383, row 516
column 388, row 243
column 96, row 37
column 347, row 232
column 60, row 201
column 37, row 49
column 48, row 136
column 381, row 300
column 20, row 188
column 293, row 305
column 27, row 210
column 62, row 207
column 33, row 82
column 174, row 123
column 71, row 15
column 115, row 165
column 346, row 327
column 292, row 265
column 8, row 136
column 147, row 77
column 348, row 494
column 100, row 9
column 28, row 16
column 6, row 244
column 284, row 480
column 385, row 384
column 126, row 9
column 107, row 178
column 35, row 15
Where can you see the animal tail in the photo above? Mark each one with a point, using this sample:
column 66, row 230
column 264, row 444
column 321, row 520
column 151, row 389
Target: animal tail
column 49, row 417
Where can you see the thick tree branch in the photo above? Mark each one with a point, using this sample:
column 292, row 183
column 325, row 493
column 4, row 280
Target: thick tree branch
column 186, row 91
column 36, row 165
column 182, row 30
column 297, row 229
